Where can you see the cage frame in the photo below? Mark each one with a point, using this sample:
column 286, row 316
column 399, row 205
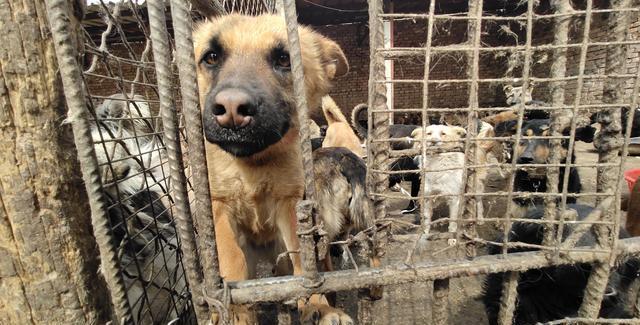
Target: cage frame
column 208, row 292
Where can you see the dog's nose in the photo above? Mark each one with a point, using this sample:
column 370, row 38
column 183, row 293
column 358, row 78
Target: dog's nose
column 233, row 108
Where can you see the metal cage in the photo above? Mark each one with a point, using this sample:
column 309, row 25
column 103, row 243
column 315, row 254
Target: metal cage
column 135, row 113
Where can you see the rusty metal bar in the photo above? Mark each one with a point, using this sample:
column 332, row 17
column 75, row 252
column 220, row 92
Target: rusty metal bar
column 470, row 179
column 577, row 100
column 508, row 298
column 426, row 218
column 291, row 287
column 608, row 143
column 304, row 210
column 378, row 124
column 558, row 119
column 377, row 153
column 162, row 60
column 202, row 209
column 526, row 70
column 74, row 91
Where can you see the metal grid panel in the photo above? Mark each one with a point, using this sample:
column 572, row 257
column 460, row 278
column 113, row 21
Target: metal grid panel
column 128, row 141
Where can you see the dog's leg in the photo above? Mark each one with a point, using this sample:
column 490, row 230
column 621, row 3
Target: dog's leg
column 415, row 191
column 233, row 262
column 454, row 202
column 479, row 205
column 375, row 292
column 318, row 306
column 287, row 228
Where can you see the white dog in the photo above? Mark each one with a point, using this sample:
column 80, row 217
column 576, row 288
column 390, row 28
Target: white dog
column 444, row 165
column 131, row 156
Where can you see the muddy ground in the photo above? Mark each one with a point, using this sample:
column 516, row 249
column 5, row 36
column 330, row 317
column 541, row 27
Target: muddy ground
column 411, row 303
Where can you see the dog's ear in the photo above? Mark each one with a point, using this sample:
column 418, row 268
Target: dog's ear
column 507, row 88
column 333, row 59
column 506, row 128
column 415, row 132
column 460, row 131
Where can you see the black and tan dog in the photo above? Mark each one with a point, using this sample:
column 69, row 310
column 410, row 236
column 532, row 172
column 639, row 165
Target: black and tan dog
column 253, row 150
column 537, row 151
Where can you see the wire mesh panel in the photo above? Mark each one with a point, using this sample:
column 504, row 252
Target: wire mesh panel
column 129, row 142
column 504, row 97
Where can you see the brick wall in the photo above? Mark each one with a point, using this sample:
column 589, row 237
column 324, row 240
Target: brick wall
column 351, row 89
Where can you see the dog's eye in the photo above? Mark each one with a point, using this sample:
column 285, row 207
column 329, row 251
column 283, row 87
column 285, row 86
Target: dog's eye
column 428, row 133
column 211, row 58
column 282, row 60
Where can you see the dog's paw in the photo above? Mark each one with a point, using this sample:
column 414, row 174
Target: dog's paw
column 452, row 241
column 238, row 314
column 320, row 314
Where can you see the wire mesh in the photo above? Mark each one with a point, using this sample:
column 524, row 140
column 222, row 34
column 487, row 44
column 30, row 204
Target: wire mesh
column 129, row 142
column 527, row 85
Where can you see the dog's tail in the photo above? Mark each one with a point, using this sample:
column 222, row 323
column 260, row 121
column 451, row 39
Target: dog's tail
column 354, row 169
column 360, row 207
column 355, row 120
column 331, row 111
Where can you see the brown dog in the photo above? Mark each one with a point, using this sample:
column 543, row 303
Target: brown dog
column 339, row 133
column 253, row 149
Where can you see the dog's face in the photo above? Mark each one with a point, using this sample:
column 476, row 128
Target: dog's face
column 537, row 151
column 245, row 80
column 514, row 95
column 441, row 136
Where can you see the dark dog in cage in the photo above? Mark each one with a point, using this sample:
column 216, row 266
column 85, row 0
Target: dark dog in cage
column 340, row 181
column 251, row 126
column 537, row 151
column 556, row 292
column 131, row 157
column 401, row 135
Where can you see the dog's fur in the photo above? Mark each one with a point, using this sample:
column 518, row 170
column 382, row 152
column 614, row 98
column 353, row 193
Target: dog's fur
column 445, row 168
column 339, row 133
column 401, row 134
column 135, row 180
column 513, row 97
column 537, row 151
column 255, row 171
column 340, row 177
column 396, row 131
column 553, row 293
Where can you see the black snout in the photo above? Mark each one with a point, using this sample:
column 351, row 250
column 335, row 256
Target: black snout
column 244, row 120
column 233, row 108
column 527, row 156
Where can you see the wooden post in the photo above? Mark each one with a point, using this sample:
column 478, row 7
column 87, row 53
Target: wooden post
column 48, row 266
